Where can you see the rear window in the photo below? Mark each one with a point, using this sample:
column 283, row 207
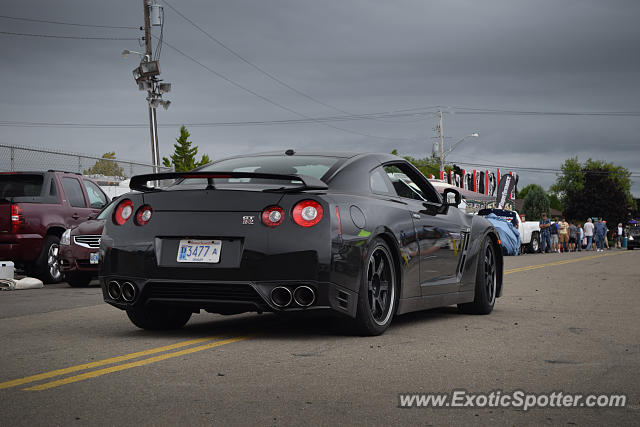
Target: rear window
column 20, row 185
column 314, row 166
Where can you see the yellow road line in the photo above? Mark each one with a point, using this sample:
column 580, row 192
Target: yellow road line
column 551, row 264
column 57, row 372
column 142, row 362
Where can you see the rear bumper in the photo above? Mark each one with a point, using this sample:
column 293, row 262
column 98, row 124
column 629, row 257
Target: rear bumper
column 228, row 297
column 20, row 248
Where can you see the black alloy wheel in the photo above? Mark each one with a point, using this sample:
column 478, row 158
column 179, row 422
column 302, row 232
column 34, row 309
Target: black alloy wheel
column 486, row 281
column 377, row 298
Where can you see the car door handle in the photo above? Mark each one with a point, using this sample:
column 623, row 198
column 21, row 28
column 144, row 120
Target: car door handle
column 415, row 215
column 75, row 216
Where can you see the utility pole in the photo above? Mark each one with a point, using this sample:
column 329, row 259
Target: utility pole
column 146, row 74
column 153, row 126
column 441, row 136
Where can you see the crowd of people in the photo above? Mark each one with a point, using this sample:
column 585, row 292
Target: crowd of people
column 562, row 236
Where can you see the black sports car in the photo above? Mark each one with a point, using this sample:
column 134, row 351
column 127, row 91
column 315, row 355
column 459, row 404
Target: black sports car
column 365, row 235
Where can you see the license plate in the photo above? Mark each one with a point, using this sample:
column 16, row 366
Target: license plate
column 199, row 251
column 93, row 258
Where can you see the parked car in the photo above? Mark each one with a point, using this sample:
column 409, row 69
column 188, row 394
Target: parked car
column 529, row 230
column 79, row 246
column 35, row 210
column 288, row 232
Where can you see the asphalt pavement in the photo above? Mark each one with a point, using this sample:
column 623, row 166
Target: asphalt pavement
column 566, row 323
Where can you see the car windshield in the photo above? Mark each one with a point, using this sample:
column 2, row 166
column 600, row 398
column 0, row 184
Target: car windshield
column 314, row 166
column 106, row 211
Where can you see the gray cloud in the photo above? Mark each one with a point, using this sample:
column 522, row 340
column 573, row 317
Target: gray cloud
column 361, row 56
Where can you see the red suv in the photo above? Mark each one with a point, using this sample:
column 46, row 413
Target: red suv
column 35, row 210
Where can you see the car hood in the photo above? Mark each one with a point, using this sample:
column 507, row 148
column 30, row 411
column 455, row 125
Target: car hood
column 93, row 226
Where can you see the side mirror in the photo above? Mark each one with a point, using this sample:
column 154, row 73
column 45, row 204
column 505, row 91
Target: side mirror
column 452, row 197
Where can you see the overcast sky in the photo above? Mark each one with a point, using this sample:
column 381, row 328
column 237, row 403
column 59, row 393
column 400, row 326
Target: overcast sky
column 354, row 56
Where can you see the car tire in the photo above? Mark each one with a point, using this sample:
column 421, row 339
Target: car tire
column 48, row 265
column 486, row 281
column 377, row 299
column 78, row 280
column 156, row 318
column 534, row 244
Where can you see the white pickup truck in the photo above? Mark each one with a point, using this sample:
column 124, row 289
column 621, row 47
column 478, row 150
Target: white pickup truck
column 529, row 230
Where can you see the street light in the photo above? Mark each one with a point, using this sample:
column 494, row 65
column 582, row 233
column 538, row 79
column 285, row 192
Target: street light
column 443, row 153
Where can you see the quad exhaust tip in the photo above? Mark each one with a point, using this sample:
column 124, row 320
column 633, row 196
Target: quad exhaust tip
column 304, row 296
column 281, row 296
column 129, row 291
column 114, row 289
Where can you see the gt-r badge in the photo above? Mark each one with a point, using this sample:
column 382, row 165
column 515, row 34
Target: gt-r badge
column 248, row 220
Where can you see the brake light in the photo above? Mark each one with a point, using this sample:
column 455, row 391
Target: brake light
column 307, row 213
column 16, row 218
column 339, row 222
column 123, row 212
column 144, row 215
column 272, row 216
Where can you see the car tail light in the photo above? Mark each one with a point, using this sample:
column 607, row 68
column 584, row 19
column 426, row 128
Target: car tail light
column 307, row 213
column 123, row 212
column 144, row 215
column 272, row 216
column 16, row 218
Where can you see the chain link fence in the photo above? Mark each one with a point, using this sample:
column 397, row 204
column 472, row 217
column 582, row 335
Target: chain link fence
column 23, row 158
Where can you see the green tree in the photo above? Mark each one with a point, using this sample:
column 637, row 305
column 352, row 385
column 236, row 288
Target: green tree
column 183, row 158
column 106, row 166
column 595, row 188
column 426, row 165
column 555, row 202
column 535, row 202
column 570, row 181
column 522, row 194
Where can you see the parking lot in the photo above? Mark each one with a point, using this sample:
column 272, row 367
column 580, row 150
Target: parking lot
column 566, row 322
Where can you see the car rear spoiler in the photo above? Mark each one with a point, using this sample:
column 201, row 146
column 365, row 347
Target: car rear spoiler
column 139, row 182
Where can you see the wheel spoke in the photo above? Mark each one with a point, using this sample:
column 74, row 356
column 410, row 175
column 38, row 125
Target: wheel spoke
column 370, row 286
column 380, row 267
column 372, row 302
column 384, row 286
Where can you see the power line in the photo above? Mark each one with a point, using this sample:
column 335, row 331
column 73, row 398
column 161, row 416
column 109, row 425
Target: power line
column 65, row 37
column 275, row 103
column 218, row 124
column 15, row 18
column 254, row 65
column 504, row 112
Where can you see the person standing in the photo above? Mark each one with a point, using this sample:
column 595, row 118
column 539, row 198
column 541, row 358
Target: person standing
column 606, row 234
column 554, row 236
column 588, row 233
column 563, row 235
column 573, row 236
column 619, row 233
column 580, row 237
column 601, row 234
column 545, row 233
